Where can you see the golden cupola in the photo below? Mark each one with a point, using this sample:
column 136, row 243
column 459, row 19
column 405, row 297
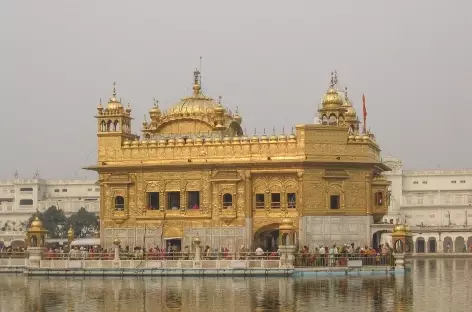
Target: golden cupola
column 113, row 102
column 193, row 116
column 332, row 110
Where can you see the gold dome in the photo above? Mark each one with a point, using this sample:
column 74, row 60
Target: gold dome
column 399, row 228
column 155, row 109
column 113, row 102
column 36, row 223
column 332, row 98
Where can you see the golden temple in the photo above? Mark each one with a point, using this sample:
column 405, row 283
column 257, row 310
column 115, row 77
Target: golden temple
column 195, row 172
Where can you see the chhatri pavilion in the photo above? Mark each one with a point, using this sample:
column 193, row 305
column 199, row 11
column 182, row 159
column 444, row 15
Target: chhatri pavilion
column 193, row 171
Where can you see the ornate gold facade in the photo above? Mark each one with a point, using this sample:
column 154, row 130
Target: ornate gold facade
column 195, row 169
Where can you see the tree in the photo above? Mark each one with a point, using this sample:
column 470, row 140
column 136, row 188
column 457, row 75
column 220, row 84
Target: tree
column 84, row 223
column 54, row 221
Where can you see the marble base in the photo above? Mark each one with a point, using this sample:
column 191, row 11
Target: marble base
column 327, row 230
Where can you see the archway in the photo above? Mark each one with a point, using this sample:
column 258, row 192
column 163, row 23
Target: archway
column 459, row 244
column 420, row 245
column 469, row 244
column 377, row 238
column 447, row 244
column 267, row 237
column 432, row 244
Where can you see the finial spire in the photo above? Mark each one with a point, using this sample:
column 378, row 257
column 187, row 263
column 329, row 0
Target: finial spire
column 114, row 88
column 196, row 76
column 219, row 99
column 237, row 110
column 16, row 174
column 283, row 130
column 156, row 102
column 345, row 93
column 334, row 79
column 273, row 130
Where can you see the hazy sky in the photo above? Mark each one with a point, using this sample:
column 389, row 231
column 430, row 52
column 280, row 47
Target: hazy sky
column 271, row 58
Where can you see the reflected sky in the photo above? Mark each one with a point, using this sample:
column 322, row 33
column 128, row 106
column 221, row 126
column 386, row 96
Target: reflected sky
column 433, row 285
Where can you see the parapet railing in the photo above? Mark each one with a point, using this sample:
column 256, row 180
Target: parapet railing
column 13, row 254
column 343, row 260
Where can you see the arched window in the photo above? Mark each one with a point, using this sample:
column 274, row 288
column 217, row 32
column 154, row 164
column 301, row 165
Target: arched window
column 109, row 126
column 116, row 125
column 379, row 198
column 119, row 203
column 227, row 201
column 103, row 126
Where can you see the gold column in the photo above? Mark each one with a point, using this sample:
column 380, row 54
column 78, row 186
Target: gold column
column 248, row 202
column 368, row 189
column 299, row 196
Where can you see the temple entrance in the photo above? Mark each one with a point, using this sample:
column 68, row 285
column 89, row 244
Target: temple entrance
column 267, row 238
column 174, row 244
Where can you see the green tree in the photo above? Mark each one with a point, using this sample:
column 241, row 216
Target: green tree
column 54, row 221
column 84, row 223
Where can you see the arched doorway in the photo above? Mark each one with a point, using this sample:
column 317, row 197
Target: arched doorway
column 469, row 244
column 447, row 244
column 432, row 244
column 267, row 238
column 377, row 238
column 459, row 244
column 420, row 245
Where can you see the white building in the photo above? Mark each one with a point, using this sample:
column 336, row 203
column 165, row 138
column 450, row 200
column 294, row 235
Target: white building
column 20, row 198
column 436, row 204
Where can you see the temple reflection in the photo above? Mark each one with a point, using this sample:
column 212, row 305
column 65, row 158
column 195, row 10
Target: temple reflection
column 201, row 294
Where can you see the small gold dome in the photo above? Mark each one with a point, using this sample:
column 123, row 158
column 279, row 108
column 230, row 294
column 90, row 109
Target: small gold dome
column 217, row 140
column 162, row 142
column 36, row 223
column 292, row 137
column 264, row 138
column 282, row 138
column 171, row 141
column 237, row 118
column 135, row 142
column 189, row 141
column 273, row 138
column 255, row 139
column 197, row 240
column 116, row 241
column 153, row 141
column 226, row 139
column 180, row 141
column 399, row 228
column 236, row 139
column 332, row 98
column 127, row 142
column 199, row 141
column 155, row 111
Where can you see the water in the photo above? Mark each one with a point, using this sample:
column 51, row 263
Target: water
column 433, row 285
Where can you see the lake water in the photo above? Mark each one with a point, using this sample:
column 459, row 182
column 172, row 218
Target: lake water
column 433, row 285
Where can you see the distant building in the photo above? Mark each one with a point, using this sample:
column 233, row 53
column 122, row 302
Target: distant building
column 436, row 204
column 20, row 198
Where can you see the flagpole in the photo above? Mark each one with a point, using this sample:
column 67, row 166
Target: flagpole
column 364, row 113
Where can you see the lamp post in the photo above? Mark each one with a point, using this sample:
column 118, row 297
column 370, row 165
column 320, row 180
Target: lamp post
column 70, row 235
column 117, row 243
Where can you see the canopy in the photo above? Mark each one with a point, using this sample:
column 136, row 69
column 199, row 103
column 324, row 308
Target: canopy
column 92, row 241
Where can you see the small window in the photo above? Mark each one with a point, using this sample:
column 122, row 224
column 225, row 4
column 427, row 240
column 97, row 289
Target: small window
column 119, row 203
column 391, row 221
column 425, row 182
column 173, row 200
column 334, row 202
column 153, row 200
column 462, row 181
column 97, row 189
column 415, row 182
column 56, row 190
column 291, row 201
column 227, row 201
column 193, row 200
column 260, row 202
column 26, row 202
column 275, row 200
column 64, row 190
column 379, row 198
column 89, row 190
column 453, row 181
column 26, row 189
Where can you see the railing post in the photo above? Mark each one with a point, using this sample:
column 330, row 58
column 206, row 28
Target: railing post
column 287, row 257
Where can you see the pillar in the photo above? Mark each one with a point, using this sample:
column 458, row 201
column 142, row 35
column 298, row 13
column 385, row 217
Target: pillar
column 117, row 243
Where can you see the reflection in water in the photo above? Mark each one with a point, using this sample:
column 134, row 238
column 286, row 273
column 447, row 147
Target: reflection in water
column 433, row 285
